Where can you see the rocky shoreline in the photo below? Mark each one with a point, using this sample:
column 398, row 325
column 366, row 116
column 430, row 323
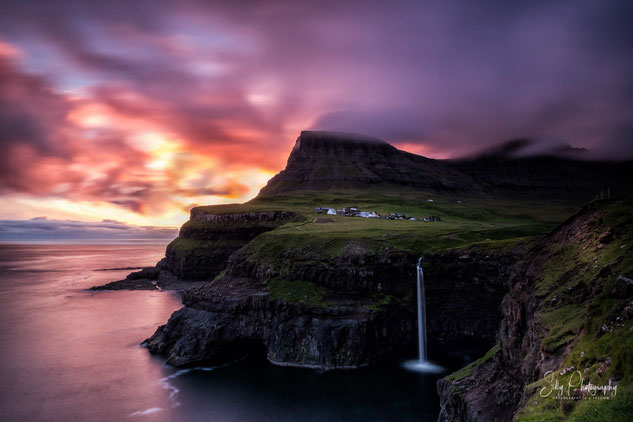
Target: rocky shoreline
column 148, row 278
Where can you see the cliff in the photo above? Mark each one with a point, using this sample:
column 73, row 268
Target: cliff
column 339, row 292
column 330, row 311
column 207, row 240
column 568, row 310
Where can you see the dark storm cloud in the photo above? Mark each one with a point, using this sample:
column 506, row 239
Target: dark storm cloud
column 393, row 123
column 31, row 119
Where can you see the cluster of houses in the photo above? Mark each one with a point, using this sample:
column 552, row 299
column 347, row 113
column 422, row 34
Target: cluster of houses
column 356, row 212
column 347, row 212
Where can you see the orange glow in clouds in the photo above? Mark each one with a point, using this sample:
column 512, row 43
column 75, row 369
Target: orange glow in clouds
column 125, row 161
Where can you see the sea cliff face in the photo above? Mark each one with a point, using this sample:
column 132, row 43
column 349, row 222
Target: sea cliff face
column 567, row 311
column 232, row 317
column 206, row 241
column 332, row 312
column 464, row 293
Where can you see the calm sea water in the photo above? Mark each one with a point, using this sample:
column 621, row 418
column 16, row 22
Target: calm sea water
column 67, row 354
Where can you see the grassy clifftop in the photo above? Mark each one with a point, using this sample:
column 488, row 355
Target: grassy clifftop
column 475, row 221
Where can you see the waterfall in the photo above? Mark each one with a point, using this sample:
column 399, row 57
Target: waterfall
column 422, row 364
column 421, row 315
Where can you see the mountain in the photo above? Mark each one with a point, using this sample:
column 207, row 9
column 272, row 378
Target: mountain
column 325, row 160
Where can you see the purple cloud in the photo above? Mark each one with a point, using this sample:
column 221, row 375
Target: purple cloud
column 237, row 81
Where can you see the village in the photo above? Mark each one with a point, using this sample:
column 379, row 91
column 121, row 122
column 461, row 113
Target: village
column 356, row 212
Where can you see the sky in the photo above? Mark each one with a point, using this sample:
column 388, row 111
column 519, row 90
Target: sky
column 135, row 111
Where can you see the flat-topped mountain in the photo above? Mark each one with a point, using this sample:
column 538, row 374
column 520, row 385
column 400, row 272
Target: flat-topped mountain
column 325, row 160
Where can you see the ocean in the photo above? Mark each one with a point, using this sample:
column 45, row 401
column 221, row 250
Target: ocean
column 67, row 354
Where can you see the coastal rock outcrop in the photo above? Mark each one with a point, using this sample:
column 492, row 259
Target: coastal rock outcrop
column 335, row 312
column 206, row 241
column 559, row 305
column 231, row 317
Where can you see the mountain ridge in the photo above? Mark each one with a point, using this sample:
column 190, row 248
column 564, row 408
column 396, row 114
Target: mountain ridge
column 323, row 160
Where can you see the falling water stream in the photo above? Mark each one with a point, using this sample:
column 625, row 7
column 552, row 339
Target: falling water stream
column 422, row 364
column 421, row 315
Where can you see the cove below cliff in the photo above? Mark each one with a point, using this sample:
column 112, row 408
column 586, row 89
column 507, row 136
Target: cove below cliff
column 254, row 390
column 71, row 354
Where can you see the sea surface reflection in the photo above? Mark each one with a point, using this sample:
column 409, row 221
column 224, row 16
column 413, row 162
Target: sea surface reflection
column 68, row 354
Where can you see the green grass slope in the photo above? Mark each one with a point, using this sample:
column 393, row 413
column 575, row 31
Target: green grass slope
column 473, row 222
column 587, row 323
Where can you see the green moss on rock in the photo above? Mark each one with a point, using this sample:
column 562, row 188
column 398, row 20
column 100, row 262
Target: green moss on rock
column 296, row 291
column 465, row 371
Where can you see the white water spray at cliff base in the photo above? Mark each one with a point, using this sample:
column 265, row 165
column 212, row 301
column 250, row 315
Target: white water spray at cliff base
column 422, row 364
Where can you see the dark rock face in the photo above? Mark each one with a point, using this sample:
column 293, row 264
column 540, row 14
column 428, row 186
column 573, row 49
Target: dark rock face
column 347, row 328
column 224, row 320
column 464, row 294
column 323, row 160
column 495, row 389
column 206, row 241
column 356, row 270
column 200, row 263
column 623, row 287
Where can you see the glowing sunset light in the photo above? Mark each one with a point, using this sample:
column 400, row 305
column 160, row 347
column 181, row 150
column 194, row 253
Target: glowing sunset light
column 8, row 50
column 420, row 149
column 109, row 112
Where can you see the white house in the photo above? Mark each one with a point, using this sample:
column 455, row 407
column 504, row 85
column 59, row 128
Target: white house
column 331, row 211
column 365, row 214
